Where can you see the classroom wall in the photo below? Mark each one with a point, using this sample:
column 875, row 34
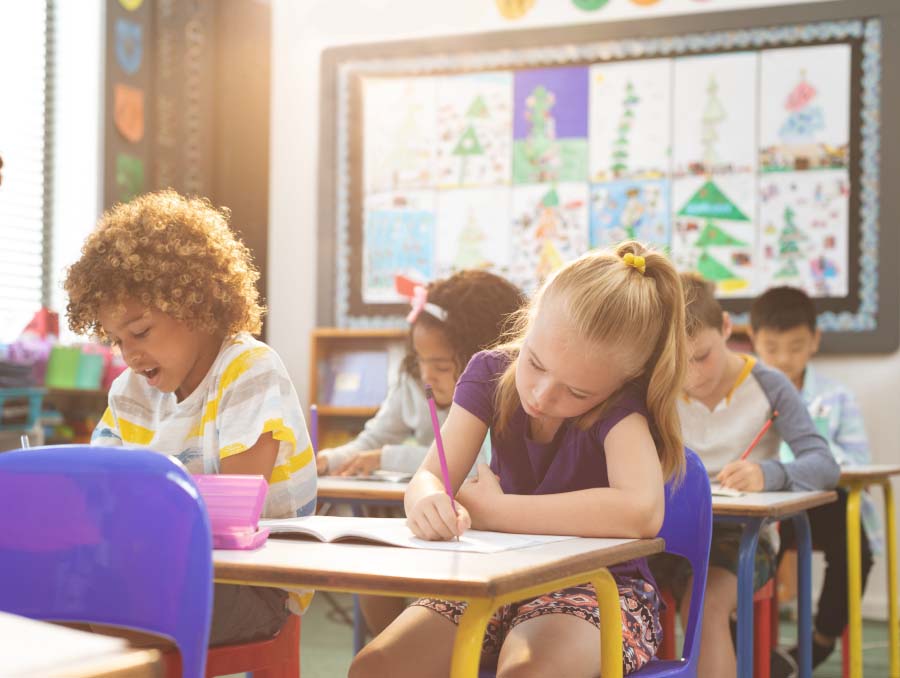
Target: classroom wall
column 300, row 31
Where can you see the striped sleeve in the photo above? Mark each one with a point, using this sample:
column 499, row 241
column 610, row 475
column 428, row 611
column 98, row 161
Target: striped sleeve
column 255, row 396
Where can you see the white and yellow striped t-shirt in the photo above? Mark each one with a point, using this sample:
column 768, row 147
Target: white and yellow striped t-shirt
column 246, row 393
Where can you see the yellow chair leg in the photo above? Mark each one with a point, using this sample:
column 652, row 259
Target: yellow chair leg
column 610, row 625
column 469, row 638
column 854, row 586
column 893, row 591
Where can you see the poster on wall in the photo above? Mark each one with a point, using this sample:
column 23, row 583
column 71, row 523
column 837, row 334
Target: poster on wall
column 399, row 232
column 630, row 120
column 550, row 125
column 473, row 231
column 474, row 124
column 518, row 162
column 400, row 154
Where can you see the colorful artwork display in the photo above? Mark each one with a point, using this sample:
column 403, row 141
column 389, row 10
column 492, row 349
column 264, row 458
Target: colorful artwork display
column 520, row 171
column 625, row 210
column 550, row 228
column 398, row 233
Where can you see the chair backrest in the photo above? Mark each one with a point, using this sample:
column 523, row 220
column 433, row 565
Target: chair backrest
column 107, row 536
column 687, row 530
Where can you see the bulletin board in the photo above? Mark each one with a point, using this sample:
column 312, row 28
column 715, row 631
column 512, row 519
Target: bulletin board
column 750, row 156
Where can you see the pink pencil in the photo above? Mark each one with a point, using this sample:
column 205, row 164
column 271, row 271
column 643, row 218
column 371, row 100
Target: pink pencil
column 759, row 435
column 445, row 472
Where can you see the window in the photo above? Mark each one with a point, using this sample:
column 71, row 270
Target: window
column 25, row 145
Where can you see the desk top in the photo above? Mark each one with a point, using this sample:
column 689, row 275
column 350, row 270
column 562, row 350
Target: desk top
column 353, row 489
column 35, row 648
column 869, row 472
column 770, row 504
column 364, row 568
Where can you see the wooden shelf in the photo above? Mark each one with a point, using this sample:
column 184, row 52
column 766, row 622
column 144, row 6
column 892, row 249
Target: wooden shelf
column 338, row 411
column 339, row 333
column 86, row 392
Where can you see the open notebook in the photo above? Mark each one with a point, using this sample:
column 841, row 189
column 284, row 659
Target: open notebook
column 394, row 532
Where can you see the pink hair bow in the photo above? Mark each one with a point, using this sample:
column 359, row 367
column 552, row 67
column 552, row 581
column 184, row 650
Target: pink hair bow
column 419, row 302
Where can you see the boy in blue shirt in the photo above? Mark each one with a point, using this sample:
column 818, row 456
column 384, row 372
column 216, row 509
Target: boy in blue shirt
column 785, row 336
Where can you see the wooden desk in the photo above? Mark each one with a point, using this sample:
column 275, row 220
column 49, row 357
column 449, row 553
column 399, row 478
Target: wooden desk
column 360, row 492
column 34, row 648
column 486, row 581
column 856, row 480
column 752, row 511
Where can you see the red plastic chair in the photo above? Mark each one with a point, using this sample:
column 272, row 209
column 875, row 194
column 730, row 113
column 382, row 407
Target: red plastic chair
column 276, row 657
column 764, row 632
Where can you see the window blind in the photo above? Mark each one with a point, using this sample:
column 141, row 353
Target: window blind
column 26, row 51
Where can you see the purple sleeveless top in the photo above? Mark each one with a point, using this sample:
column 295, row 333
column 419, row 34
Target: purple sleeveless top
column 574, row 460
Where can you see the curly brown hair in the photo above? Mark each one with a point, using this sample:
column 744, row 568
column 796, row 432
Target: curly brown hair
column 168, row 252
column 478, row 304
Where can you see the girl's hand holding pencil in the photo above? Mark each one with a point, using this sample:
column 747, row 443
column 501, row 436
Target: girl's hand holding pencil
column 436, row 515
column 433, row 517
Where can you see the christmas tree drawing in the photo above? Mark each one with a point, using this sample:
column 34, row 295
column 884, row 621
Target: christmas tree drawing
column 789, row 239
column 478, row 109
column 713, row 206
column 713, row 115
column 467, row 146
column 623, row 132
column 540, row 145
column 805, row 116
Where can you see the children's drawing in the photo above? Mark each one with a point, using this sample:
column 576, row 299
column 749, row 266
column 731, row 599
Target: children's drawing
column 398, row 237
column 473, row 231
column 803, row 220
column 550, row 125
column 630, row 119
column 626, row 210
column 714, row 232
column 805, row 115
column 474, row 130
column 550, row 227
column 714, row 110
column 399, row 133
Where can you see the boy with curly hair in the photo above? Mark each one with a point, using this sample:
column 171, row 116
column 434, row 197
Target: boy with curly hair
column 164, row 278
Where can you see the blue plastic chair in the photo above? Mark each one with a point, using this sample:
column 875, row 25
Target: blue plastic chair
column 107, row 536
column 687, row 530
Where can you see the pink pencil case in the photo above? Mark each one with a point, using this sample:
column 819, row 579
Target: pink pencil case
column 234, row 504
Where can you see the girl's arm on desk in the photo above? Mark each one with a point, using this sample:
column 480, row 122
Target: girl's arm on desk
column 632, row 506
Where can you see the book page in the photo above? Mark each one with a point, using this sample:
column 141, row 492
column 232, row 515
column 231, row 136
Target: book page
column 719, row 491
column 394, row 531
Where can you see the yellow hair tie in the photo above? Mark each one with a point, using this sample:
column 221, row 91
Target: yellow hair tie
column 637, row 262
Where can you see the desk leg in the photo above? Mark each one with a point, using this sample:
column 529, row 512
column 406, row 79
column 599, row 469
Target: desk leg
column 746, row 557
column 890, row 519
column 470, row 638
column 610, row 624
column 804, row 592
column 359, row 624
column 854, row 581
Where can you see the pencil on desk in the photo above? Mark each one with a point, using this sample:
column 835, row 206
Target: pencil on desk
column 438, row 441
column 762, row 432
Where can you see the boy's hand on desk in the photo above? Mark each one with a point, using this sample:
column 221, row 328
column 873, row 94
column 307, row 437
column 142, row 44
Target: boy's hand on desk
column 432, row 518
column 746, row 476
column 480, row 495
column 362, row 464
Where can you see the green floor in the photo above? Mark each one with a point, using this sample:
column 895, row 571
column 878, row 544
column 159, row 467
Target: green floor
column 326, row 646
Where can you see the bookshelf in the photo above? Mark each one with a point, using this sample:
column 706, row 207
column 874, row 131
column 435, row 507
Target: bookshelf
column 331, row 347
